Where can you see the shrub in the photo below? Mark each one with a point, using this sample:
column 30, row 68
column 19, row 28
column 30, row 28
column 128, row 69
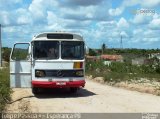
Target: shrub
column 118, row 71
column 5, row 90
column 158, row 68
column 113, row 77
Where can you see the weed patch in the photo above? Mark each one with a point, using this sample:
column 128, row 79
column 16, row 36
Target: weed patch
column 5, row 90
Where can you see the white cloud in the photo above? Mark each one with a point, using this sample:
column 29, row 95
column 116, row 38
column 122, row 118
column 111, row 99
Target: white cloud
column 52, row 18
column 91, row 12
column 106, row 25
column 82, row 2
column 150, row 33
column 142, row 3
column 39, row 8
column 118, row 34
column 15, row 17
column 115, row 34
column 23, row 16
column 150, row 3
column 150, row 40
column 122, row 23
column 145, row 33
column 128, row 3
column 9, row 29
column 124, row 34
column 137, row 32
column 93, row 19
column 156, row 16
column 9, row 4
column 5, row 20
column 23, row 20
column 141, row 19
column 155, row 24
column 115, row 12
column 145, row 37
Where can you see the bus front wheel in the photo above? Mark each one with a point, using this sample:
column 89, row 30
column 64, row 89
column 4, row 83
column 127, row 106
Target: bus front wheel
column 35, row 90
column 73, row 90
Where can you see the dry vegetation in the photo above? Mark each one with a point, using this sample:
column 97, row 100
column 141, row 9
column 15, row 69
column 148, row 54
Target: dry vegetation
column 141, row 78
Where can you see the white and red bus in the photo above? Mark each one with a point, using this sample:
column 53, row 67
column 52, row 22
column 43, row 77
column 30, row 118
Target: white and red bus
column 50, row 60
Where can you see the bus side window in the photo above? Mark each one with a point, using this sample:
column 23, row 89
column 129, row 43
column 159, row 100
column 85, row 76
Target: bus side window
column 20, row 51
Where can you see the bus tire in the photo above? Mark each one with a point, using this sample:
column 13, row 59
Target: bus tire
column 35, row 90
column 73, row 90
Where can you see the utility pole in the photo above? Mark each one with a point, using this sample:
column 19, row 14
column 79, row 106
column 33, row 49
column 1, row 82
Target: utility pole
column 121, row 43
column 0, row 48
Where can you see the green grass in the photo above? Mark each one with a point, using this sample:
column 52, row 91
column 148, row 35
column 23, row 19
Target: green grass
column 5, row 90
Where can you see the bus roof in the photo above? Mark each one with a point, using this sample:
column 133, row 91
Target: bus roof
column 58, row 36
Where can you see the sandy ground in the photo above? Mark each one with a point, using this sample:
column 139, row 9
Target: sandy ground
column 95, row 97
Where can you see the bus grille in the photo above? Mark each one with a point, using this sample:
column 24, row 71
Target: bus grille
column 61, row 73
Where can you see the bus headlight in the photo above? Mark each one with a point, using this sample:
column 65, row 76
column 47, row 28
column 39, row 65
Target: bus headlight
column 39, row 73
column 79, row 73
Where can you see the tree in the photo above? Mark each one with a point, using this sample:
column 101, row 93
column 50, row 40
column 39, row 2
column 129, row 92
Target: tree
column 92, row 52
column 6, row 53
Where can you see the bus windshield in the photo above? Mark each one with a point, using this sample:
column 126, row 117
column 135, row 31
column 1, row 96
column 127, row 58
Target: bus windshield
column 46, row 50
column 72, row 49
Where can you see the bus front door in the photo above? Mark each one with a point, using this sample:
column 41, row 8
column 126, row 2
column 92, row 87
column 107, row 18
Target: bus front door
column 20, row 66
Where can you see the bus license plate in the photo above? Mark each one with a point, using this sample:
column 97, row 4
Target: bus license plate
column 61, row 83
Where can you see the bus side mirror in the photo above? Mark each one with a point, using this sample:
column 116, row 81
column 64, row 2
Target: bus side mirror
column 86, row 50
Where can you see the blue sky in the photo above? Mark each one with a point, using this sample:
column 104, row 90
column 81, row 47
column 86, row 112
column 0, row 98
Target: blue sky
column 99, row 21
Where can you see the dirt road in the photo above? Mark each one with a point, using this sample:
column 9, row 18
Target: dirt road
column 94, row 97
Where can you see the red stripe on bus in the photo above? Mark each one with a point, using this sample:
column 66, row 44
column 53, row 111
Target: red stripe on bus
column 58, row 84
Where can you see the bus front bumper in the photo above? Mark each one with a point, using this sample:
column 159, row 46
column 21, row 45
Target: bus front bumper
column 58, row 84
